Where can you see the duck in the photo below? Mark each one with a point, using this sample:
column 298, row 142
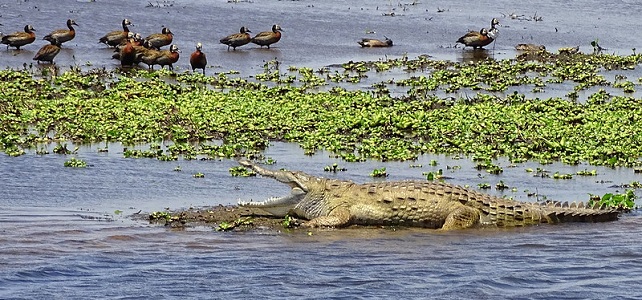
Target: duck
column 163, row 58
column 19, row 39
column 48, row 52
column 475, row 39
column 197, row 59
column 135, row 39
column 158, row 40
column 127, row 53
column 267, row 38
column 148, row 57
column 168, row 57
column 375, row 42
column 493, row 32
column 116, row 37
column 64, row 35
column 237, row 39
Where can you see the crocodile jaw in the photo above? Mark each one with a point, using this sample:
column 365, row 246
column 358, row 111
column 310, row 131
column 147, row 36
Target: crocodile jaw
column 279, row 206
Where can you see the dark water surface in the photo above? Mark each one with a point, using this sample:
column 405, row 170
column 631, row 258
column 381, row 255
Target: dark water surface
column 68, row 233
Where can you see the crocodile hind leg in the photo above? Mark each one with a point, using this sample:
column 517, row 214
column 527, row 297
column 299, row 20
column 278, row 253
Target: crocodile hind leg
column 461, row 218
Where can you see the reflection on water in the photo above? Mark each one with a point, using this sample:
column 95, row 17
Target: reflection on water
column 473, row 56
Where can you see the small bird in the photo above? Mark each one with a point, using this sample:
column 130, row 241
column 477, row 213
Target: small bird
column 48, row 52
column 64, row 35
column 19, row 39
column 476, row 39
column 267, row 38
column 375, row 42
column 158, row 40
column 237, row 39
column 116, row 37
column 198, row 59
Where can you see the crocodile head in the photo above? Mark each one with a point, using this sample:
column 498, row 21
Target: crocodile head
column 301, row 184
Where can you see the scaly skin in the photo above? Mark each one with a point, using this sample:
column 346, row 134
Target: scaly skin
column 331, row 202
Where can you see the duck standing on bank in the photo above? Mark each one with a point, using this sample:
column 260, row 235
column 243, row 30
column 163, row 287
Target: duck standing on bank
column 197, row 59
column 64, row 35
column 115, row 37
column 237, row 39
column 48, row 52
column 19, row 39
column 267, row 38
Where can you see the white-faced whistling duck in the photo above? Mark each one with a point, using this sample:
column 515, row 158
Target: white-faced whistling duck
column 158, row 40
column 237, row 39
column 19, row 39
column 476, row 39
column 267, row 38
column 197, row 59
column 116, row 37
column 48, row 52
column 64, row 35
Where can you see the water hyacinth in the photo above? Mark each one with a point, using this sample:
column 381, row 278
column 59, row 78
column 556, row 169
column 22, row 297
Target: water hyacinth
column 227, row 115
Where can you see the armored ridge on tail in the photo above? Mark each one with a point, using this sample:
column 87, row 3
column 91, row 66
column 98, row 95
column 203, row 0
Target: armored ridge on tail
column 331, row 202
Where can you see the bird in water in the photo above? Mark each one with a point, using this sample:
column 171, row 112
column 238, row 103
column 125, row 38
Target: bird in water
column 64, row 35
column 48, row 52
column 375, row 42
column 267, row 38
column 237, row 39
column 158, row 40
column 484, row 37
column 475, row 39
column 19, row 39
column 153, row 57
column 197, row 59
column 115, row 37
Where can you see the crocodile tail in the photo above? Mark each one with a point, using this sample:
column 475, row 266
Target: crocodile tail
column 558, row 212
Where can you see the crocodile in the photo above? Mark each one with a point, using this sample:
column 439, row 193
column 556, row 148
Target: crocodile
column 337, row 203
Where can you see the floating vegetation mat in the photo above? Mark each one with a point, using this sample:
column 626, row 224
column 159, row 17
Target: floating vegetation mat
column 321, row 109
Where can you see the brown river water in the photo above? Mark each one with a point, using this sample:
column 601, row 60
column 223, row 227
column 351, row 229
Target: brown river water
column 68, row 233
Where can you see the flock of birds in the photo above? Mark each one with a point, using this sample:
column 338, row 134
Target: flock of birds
column 131, row 49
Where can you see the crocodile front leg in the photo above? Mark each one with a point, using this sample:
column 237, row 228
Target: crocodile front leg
column 339, row 217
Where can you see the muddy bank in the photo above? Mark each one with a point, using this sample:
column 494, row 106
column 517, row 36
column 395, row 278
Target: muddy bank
column 220, row 218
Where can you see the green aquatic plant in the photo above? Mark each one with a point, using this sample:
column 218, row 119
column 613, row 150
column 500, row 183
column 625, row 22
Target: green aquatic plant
column 289, row 222
column 75, row 163
column 240, row 171
column 227, row 226
column 226, row 115
column 160, row 215
column 624, row 201
column 381, row 172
